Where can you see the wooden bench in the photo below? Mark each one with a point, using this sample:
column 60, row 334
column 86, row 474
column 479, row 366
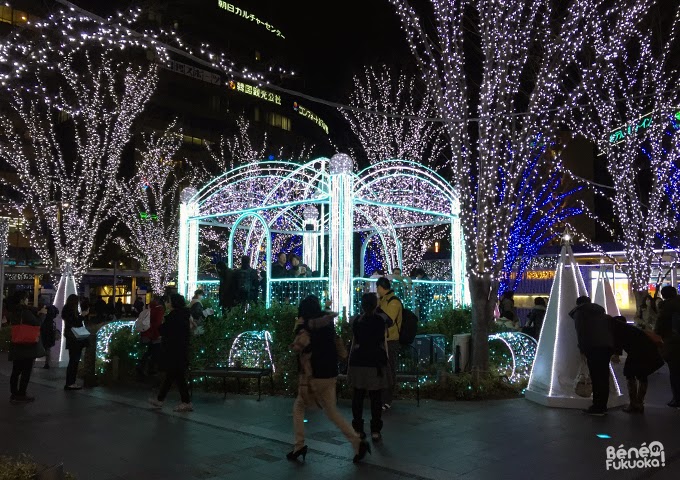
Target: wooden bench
column 241, row 352
column 233, row 372
column 407, row 369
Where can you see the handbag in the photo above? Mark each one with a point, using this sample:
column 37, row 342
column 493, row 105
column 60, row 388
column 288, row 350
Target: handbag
column 25, row 334
column 583, row 385
column 80, row 333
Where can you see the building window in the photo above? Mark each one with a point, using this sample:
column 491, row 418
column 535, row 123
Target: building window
column 62, row 116
column 279, row 121
column 13, row 17
column 257, row 56
column 256, row 114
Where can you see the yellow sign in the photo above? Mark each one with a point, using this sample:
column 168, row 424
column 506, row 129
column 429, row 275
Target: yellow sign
column 310, row 115
column 248, row 16
column 540, row 275
column 255, row 92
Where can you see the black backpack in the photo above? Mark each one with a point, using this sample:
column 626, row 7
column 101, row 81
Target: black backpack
column 409, row 324
column 324, row 358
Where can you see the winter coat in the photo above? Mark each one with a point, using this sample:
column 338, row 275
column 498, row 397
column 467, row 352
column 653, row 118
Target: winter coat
column 175, row 335
column 72, row 319
column 315, row 344
column 156, row 313
column 279, row 271
column 593, row 327
column 664, row 327
column 23, row 315
column 391, row 305
column 535, row 318
column 368, row 344
column 48, row 329
column 247, row 285
column 643, row 355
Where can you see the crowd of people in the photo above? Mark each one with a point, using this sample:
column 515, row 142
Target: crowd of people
column 602, row 337
column 169, row 322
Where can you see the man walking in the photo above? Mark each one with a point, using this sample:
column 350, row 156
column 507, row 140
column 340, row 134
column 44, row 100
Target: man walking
column 595, row 341
column 392, row 307
column 668, row 327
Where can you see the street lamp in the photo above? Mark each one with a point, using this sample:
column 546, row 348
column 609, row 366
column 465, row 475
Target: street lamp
column 114, row 264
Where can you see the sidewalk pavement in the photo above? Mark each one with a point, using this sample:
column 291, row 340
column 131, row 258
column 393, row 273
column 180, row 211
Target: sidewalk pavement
column 111, row 434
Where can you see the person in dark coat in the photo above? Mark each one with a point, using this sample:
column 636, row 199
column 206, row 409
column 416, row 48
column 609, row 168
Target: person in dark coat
column 73, row 319
column 119, row 308
column 535, row 317
column 247, row 282
column 643, row 359
column 175, row 337
column 668, row 328
column 100, row 309
column 22, row 355
column 49, row 332
column 227, row 285
column 596, row 342
column 318, row 370
column 368, row 365
column 279, row 268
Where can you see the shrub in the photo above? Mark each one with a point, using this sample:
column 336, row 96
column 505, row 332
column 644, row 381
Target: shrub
column 22, row 468
column 462, row 387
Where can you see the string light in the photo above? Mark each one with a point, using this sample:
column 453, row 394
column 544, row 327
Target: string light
column 628, row 78
column 150, row 207
column 57, row 74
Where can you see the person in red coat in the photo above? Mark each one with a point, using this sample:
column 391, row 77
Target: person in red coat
column 152, row 338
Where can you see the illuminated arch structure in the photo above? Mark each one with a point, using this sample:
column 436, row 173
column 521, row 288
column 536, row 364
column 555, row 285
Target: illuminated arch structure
column 326, row 203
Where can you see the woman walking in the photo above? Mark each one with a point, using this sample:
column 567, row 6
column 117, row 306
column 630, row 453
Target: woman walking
column 367, row 365
column 175, row 335
column 24, row 348
column 643, row 359
column 74, row 344
column 318, row 366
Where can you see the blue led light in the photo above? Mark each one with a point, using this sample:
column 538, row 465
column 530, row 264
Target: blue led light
column 602, row 435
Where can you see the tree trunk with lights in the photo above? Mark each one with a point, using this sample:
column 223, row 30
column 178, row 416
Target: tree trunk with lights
column 483, row 293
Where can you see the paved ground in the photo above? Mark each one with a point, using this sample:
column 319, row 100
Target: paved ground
column 110, row 434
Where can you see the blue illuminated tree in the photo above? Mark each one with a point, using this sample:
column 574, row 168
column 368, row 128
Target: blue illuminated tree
column 539, row 220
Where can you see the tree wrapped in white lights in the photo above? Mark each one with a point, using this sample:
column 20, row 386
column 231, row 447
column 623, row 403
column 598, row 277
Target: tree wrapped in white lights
column 631, row 85
column 72, row 104
column 401, row 131
column 151, row 207
column 484, row 62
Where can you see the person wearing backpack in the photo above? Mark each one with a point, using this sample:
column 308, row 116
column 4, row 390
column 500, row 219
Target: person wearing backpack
column 391, row 305
column 315, row 344
column 668, row 328
column 24, row 347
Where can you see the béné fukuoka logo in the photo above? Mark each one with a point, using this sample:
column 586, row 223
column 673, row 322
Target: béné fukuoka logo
column 646, row 456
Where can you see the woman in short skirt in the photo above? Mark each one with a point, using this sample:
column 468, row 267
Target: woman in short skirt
column 368, row 365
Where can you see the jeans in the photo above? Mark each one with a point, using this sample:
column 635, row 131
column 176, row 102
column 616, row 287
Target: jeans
column 74, row 355
column 392, row 353
column 358, row 410
column 324, row 391
column 21, row 374
column 598, row 364
column 177, row 375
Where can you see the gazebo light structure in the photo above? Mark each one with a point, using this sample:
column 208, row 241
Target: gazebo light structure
column 326, row 203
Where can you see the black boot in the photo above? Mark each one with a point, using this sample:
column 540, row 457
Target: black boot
column 358, row 426
column 376, row 427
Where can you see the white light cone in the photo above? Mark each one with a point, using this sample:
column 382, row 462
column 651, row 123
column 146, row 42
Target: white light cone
column 604, row 294
column 66, row 287
column 557, row 357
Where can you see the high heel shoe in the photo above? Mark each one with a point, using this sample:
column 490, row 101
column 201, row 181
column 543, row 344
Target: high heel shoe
column 364, row 447
column 295, row 454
